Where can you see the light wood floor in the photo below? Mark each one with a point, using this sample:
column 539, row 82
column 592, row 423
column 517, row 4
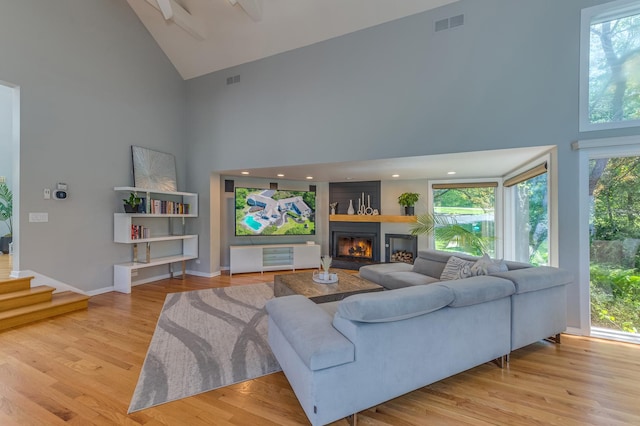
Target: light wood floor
column 82, row 368
column 5, row 266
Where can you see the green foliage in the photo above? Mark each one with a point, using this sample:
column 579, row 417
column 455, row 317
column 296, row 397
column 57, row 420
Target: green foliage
column 615, row 298
column 408, row 199
column 614, row 67
column 450, row 235
column 241, row 198
column 133, row 200
column 6, row 207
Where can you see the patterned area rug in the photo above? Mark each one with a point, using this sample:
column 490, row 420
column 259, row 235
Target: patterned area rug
column 204, row 340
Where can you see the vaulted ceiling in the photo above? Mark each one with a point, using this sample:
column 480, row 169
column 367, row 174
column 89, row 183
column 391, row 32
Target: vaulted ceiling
column 203, row 36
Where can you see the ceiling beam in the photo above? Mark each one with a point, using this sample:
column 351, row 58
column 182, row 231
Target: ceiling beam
column 172, row 11
column 253, row 8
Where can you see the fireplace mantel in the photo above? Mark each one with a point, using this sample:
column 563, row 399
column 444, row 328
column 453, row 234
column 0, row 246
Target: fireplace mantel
column 371, row 218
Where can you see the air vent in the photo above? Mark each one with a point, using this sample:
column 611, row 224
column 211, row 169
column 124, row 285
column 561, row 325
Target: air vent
column 233, row 80
column 448, row 23
column 456, row 21
column 442, row 24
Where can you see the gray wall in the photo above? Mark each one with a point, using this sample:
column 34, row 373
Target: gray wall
column 6, row 141
column 507, row 78
column 93, row 82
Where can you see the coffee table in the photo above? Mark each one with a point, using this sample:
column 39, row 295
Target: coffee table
column 302, row 283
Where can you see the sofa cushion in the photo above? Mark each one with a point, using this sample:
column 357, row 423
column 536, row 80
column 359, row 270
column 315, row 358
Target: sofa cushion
column 395, row 305
column 487, row 266
column 456, row 269
column 480, row 289
column 538, row 278
column 316, row 342
column 396, row 280
column 376, row 273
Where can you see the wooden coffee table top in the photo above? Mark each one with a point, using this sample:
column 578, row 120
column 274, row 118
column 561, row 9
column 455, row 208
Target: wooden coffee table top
column 302, row 283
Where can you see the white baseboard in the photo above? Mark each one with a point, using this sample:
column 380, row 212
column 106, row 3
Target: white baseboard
column 204, row 274
column 40, row 279
column 575, row 331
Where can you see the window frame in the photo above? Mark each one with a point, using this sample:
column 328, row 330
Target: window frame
column 588, row 15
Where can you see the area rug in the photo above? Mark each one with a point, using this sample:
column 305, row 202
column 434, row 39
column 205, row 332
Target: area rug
column 204, row 340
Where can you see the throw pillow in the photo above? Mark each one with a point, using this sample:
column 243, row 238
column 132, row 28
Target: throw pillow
column 456, row 269
column 487, row 266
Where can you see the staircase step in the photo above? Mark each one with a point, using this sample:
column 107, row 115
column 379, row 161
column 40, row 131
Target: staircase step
column 61, row 303
column 30, row 296
column 15, row 284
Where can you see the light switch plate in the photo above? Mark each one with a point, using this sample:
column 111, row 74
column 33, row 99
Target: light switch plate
column 38, row 217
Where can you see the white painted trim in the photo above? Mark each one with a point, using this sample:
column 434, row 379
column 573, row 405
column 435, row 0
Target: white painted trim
column 606, row 142
column 619, row 336
column 40, row 279
column 204, row 274
column 575, row 331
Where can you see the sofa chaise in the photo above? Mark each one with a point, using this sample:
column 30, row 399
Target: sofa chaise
column 344, row 357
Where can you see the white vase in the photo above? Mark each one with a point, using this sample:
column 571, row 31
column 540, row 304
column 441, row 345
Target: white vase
column 350, row 209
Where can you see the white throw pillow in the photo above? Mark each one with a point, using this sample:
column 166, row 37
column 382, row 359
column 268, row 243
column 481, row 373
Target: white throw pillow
column 456, row 269
column 486, row 266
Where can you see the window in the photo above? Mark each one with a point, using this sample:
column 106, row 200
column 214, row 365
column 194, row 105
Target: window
column 469, row 210
column 529, row 208
column 610, row 66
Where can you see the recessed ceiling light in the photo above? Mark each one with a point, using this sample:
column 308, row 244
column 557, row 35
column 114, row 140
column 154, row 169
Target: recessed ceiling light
column 309, row 177
column 280, row 175
column 395, row 175
column 244, row 173
column 349, row 178
column 451, row 173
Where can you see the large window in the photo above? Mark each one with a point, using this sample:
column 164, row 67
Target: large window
column 610, row 66
column 470, row 210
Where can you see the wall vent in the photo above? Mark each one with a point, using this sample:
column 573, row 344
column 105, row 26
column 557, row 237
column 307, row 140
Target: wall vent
column 233, row 80
column 448, row 23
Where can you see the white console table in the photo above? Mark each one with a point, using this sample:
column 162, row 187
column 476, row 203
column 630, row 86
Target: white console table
column 273, row 257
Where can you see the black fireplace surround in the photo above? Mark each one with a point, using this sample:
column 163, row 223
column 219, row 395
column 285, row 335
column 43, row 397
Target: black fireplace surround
column 361, row 235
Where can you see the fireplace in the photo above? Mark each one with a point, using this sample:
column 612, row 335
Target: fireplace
column 353, row 245
column 400, row 248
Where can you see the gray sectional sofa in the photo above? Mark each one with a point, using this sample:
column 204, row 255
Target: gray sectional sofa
column 344, row 357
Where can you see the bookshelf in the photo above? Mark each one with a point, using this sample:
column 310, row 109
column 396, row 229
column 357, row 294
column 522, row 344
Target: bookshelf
column 162, row 225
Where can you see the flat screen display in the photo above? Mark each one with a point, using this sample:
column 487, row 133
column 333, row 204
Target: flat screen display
column 274, row 212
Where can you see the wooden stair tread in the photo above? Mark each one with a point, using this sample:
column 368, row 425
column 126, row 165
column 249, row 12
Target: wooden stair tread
column 27, row 292
column 60, row 303
column 14, row 284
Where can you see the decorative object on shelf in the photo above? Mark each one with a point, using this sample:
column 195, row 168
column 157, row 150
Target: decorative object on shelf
column 153, row 170
column 325, row 262
column 408, row 201
column 350, row 210
column 319, row 277
column 133, row 203
column 365, row 209
column 333, row 207
column 6, row 215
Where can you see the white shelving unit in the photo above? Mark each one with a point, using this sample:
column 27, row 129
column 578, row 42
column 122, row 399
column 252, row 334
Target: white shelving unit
column 273, row 257
column 162, row 228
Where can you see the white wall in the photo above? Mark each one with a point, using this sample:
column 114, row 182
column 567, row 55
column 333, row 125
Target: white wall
column 6, row 141
column 93, row 82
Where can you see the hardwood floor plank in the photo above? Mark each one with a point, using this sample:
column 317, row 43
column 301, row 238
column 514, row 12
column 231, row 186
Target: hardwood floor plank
column 81, row 369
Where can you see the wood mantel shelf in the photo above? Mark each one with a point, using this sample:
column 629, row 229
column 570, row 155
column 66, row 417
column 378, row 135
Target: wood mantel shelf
column 371, row 218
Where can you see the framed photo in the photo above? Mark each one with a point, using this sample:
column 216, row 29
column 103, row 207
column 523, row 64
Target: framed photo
column 153, row 170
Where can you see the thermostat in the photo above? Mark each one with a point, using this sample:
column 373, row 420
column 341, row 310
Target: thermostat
column 61, row 191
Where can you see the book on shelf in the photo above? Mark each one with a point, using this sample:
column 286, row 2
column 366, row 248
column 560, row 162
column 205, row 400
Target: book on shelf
column 168, row 207
column 139, row 232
